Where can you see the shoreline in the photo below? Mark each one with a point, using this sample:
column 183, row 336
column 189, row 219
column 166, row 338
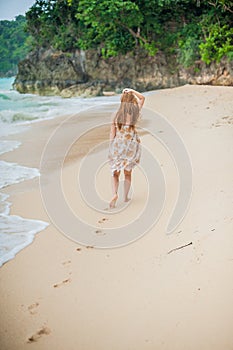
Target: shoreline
column 153, row 298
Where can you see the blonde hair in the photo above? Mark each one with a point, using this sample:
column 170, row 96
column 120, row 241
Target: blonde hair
column 129, row 106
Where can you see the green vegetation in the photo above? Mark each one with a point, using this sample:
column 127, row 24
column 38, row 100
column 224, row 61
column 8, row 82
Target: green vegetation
column 218, row 43
column 187, row 30
column 15, row 43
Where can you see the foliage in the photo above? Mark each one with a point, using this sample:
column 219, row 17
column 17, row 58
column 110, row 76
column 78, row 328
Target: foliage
column 54, row 23
column 218, row 44
column 15, row 43
column 188, row 44
column 187, row 30
column 109, row 24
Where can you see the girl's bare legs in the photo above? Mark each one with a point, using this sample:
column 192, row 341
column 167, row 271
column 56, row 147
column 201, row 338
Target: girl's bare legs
column 115, row 185
column 127, row 184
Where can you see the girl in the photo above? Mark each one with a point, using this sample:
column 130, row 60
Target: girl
column 125, row 148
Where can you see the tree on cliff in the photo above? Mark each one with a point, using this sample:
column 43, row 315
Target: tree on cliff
column 54, row 23
column 14, row 44
column 186, row 29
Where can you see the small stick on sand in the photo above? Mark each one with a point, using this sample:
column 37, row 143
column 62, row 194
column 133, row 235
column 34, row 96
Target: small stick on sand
column 183, row 246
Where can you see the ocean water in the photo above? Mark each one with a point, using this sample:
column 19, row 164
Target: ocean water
column 17, row 113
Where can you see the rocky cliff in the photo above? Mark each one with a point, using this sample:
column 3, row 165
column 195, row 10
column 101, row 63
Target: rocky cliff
column 79, row 73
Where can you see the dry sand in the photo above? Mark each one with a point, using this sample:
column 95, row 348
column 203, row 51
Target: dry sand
column 58, row 294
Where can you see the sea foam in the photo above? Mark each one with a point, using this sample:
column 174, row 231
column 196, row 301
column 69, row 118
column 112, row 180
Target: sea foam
column 16, row 234
column 12, row 173
column 8, row 145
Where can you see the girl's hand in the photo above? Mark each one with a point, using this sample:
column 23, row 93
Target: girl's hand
column 137, row 94
column 127, row 90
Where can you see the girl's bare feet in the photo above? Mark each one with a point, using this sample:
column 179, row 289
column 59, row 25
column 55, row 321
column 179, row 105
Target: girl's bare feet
column 112, row 204
column 127, row 199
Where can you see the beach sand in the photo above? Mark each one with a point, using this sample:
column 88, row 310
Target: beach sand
column 62, row 295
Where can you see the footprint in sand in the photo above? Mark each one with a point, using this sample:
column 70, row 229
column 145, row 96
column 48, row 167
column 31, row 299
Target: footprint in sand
column 100, row 232
column 32, row 308
column 223, row 121
column 66, row 263
column 68, row 280
column 35, row 337
column 101, row 221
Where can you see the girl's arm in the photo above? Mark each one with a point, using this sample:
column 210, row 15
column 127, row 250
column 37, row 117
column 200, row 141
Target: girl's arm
column 140, row 97
column 113, row 128
column 112, row 131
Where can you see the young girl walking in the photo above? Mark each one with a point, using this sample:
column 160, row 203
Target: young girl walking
column 125, row 148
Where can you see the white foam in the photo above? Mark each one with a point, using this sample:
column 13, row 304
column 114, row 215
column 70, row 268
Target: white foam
column 4, row 205
column 12, row 173
column 11, row 129
column 16, row 234
column 8, row 145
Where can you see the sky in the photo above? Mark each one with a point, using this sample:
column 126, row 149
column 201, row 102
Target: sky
column 9, row 9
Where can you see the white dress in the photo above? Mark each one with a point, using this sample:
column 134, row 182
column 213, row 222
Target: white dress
column 124, row 149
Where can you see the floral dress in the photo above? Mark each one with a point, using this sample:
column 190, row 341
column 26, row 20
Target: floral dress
column 124, row 149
